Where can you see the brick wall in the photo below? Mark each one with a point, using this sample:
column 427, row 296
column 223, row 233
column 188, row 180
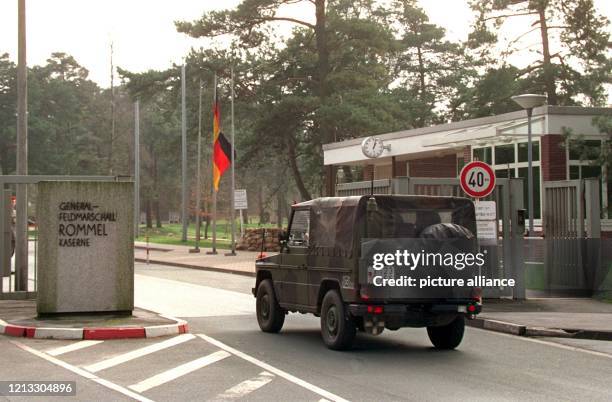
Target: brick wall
column 467, row 154
column 444, row 166
column 367, row 172
column 382, row 172
column 400, row 168
column 554, row 160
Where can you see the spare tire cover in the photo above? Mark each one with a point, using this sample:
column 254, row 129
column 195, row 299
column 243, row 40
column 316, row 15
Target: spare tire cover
column 446, row 231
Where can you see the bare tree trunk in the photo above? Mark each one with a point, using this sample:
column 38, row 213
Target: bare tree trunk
column 280, row 201
column 421, row 120
column 549, row 77
column 322, row 50
column 296, row 171
column 158, row 221
column 260, row 204
column 148, row 213
column 156, row 192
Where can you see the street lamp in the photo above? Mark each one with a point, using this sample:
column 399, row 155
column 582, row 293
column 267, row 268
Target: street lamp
column 528, row 102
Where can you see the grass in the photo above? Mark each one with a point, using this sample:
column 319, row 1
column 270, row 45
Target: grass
column 534, row 276
column 171, row 234
column 535, row 280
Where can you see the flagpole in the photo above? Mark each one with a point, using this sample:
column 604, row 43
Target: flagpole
column 198, row 208
column 232, row 192
column 184, row 216
column 214, row 192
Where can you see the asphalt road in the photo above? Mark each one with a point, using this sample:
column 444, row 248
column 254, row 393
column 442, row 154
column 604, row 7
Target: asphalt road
column 226, row 356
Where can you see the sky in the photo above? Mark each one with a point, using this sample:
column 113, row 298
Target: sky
column 144, row 36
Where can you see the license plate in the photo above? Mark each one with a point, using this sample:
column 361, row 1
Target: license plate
column 387, row 272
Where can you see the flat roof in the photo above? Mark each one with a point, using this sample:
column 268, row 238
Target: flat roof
column 539, row 111
column 443, row 137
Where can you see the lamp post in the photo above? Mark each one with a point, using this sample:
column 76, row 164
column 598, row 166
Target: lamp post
column 528, row 102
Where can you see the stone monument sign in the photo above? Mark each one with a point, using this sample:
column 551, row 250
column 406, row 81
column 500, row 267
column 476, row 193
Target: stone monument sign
column 85, row 247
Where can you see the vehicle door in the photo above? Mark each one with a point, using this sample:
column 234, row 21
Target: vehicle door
column 294, row 286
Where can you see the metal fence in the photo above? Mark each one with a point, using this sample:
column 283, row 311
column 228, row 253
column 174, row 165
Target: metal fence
column 572, row 226
column 381, row 186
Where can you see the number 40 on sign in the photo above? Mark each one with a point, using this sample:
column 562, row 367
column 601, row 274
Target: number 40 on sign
column 477, row 179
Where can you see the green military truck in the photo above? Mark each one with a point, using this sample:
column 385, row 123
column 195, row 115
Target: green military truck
column 322, row 268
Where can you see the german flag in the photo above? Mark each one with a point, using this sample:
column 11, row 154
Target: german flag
column 221, row 148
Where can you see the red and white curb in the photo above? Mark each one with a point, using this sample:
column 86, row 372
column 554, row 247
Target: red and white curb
column 93, row 333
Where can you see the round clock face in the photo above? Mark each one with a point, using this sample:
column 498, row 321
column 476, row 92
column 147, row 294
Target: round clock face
column 372, row 147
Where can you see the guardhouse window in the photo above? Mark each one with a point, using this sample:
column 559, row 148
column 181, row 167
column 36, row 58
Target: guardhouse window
column 504, row 154
column 523, row 152
column 483, row 154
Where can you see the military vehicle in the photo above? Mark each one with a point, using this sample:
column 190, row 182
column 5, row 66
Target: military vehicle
column 322, row 269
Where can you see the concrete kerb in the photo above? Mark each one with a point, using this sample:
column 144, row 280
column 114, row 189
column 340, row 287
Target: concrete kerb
column 523, row 330
column 198, row 267
column 100, row 333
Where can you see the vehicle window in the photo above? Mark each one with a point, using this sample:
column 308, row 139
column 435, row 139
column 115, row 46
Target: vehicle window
column 300, row 227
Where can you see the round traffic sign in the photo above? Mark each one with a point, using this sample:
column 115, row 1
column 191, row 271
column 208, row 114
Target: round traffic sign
column 477, row 179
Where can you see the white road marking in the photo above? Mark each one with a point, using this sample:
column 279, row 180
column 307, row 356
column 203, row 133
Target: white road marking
column 182, row 299
column 274, row 370
column 82, row 373
column 549, row 343
column 72, row 347
column 134, row 354
column 179, row 371
column 246, row 387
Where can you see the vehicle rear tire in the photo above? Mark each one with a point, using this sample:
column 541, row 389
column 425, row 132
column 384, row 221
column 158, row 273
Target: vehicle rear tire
column 448, row 336
column 270, row 316
column 337, row 329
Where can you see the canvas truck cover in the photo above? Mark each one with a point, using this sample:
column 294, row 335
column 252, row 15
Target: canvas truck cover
column 337, row 224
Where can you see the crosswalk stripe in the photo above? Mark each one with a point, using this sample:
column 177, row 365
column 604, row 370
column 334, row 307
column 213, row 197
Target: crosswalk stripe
column 72, row 347
column 83, row 373
column 134, row 354
column 179, row 371
column 283, row 374
column 246, row 387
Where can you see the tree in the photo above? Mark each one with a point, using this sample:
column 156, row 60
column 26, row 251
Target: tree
column 250, row 17
column 574, row 71
column 8, row 110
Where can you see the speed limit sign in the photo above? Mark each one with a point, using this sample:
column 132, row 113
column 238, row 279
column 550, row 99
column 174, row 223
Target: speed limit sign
column 477, row 179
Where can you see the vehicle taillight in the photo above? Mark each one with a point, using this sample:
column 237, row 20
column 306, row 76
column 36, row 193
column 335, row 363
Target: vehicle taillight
column 471, row 308
column 375, row 309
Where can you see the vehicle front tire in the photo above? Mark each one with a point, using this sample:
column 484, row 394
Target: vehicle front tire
column 270, row 316
column 448, row 336
column 337, row 329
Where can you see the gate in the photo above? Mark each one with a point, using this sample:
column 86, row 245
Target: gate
column 507, row 256
column 571, row 223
